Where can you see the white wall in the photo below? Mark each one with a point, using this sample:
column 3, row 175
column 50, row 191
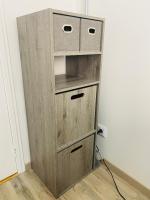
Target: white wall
column 13, row 9
column 125, row 91
column 5, row 68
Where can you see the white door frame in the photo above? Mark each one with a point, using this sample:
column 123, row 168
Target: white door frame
column 10, row 93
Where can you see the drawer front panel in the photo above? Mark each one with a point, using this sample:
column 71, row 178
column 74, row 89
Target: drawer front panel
column 90, row 35
column 66, row 33
column 75, row 115
column 73, row 163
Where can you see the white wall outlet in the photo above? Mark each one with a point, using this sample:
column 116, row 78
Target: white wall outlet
column 104, row 132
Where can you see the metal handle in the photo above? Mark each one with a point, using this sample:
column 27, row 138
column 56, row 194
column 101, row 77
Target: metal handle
column 91, row 31
column 67, row 28
column 76, row 96
column 77, row 148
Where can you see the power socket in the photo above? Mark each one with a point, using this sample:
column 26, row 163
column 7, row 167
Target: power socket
column 102, row 130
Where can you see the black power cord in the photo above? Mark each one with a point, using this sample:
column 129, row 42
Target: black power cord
column 111, row 174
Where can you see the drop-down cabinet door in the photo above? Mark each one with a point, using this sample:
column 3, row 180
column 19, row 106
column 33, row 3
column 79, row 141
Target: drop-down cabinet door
column 73, row 163
column 75, row 115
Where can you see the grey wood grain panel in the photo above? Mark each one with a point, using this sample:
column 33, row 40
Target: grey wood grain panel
column 90, row 41
column 35, row 40
column 74, row 163
column 89, row 66
column 75, row 53
column 72, row 65
column 75, row 141
column 86, row 67
column 66, row 41
column 53, row 122
column 75, row 117
column 64, row 84
column 77, row 15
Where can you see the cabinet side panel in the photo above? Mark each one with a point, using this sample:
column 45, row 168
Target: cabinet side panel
column 38, row 77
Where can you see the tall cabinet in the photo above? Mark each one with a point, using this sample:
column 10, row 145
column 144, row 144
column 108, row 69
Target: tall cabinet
column 61, row 107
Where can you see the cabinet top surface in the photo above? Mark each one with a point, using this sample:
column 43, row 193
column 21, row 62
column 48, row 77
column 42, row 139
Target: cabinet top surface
column 76, row 15
column 54, row 11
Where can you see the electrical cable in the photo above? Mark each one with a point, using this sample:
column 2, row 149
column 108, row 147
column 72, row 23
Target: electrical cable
column 111, row 174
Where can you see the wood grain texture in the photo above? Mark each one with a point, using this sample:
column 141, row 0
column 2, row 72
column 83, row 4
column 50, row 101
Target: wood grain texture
column 75, row 53
column 89, row 66
column 38, row 77
column 54, row 122
column 74, row 163
column 96, row 186
column 75, row 141
column 86, row 67
column 65, row 83
column 75, row 117
column 81, row 71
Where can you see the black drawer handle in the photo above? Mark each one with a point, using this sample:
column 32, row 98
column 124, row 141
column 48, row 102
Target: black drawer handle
column 67, row 28
column 76, row 96
column 92, row 31
column 77, row 148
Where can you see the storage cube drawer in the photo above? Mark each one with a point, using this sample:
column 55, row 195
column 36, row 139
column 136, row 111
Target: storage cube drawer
column 75, row 115
column 66, row 33
column 90, row 35
column 73, row 163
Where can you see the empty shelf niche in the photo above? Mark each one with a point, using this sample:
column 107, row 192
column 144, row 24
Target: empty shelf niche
column 76, row 71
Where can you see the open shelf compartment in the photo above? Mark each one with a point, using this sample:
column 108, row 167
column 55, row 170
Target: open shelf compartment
column 80, row 71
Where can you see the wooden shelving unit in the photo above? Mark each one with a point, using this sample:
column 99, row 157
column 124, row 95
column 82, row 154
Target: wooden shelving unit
column 61, row 108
